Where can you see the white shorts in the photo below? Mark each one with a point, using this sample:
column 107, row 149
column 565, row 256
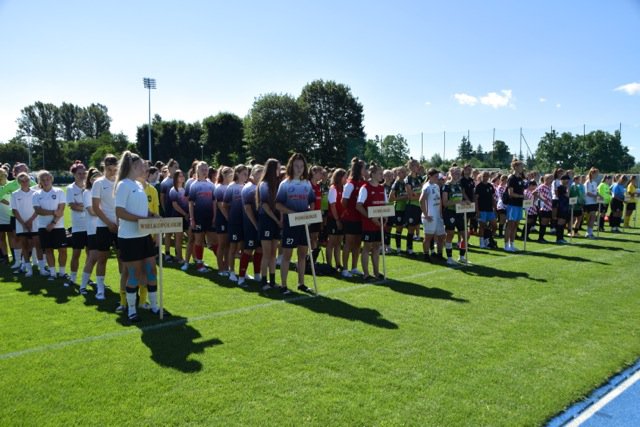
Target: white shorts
column 434, row 227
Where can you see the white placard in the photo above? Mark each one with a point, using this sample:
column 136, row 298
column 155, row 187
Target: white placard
column 465, row 207
column 381, row 211
column 526, row 204
column 573, row 201
column 628, row 198
column 599, row 199
column 302, row 218
column 160, row 225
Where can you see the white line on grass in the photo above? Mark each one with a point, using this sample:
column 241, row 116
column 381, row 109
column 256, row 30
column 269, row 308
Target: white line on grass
column 606, row 399
column 215, row 314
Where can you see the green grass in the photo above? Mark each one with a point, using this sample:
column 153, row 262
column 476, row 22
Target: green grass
column 511, row 340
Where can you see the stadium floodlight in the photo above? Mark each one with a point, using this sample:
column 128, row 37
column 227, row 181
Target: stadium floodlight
column 149, row 83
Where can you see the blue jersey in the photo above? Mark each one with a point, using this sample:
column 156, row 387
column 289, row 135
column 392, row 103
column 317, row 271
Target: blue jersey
column 165, row 188
column 187, row 185
column 618, row 191
column 220, row 189
column 180, row 197
column 201, row 194
column 233, row 199
column 249, row 196
column 264, row 197
column 296, row 194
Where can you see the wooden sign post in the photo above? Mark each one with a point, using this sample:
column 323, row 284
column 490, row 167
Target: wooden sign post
column 465, row 208
column 159, row 226
column 381, row 212
column 572, row 203
column 526, row 204
column 306, row 218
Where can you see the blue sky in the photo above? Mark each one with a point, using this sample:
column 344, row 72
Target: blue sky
column 418, row 67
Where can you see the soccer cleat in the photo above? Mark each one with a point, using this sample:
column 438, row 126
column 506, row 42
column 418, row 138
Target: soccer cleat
column 267, row 287
column 450, row 261
column 232, row 276
column 410, row 252
column 156, row 312
column 121, row 308
column 561, row 242
column 43, row 272
column 241, row 282
column 100, row 296
column 257, row 277
column 185, row 266
column 83, row 291
column 145, row 306
column 514, row 249
column 202, row 269
column 29, row 273
column 346, row 274
column 223, row 273
column 304, row 288
column 284, row 290
column 356, row 272
column 462, row 260
column 133, row 318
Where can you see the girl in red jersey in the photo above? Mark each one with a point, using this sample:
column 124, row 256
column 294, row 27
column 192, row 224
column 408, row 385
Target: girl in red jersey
column 371, row 194
column 352, row 223
column 334, row 223
column 315, row 176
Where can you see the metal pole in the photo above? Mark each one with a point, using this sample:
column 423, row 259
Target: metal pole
column 526, row 228
column 466, row 239
column 421, row 145
column 384, row 262
column 150, row 159
column 571, row 226
column 313, row 267
column 160, row 276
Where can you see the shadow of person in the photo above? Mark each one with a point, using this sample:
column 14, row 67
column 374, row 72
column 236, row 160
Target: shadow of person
column 606, row 248
column 39, row 286
column 172, row 343
column 334, row 307
column 486, row 271
column 416, row 290
column 555, row 255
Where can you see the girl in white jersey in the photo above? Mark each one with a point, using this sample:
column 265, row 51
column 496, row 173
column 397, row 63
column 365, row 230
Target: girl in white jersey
column 75, row 201
column 92, row 253
column 591, row 200
column 432, row 221
column 25, row 215
column 103, row 203
column 137, row 250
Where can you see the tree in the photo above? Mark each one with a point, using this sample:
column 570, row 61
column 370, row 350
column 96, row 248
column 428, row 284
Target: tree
column 479, row 154
column 500, row 155
column 223, row 135
column 273, row 128
column 394, row 150
column 69, row 116
column 14, row 151
column 94, row 120
column 604, row 151
column 465, row 150
column 372, row 150
column 333, row 130
column 40, row 121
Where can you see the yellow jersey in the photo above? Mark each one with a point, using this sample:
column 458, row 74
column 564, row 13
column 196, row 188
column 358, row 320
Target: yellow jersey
column 152, row 198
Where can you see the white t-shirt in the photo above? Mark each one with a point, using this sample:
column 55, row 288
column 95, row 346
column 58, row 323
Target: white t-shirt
column 333, row 195
column 103, row 189
column 5, row 210
column 346, row 192
column 22, row 201
column 131, row 196
column 363, row 194
column 78, row 219
column 431, row 195
column 554, row 186
column 49, row 200
column 90, row 219
column 591, row 187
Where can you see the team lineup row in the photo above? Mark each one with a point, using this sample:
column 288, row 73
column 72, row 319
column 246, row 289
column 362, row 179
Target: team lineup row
column 242, row 212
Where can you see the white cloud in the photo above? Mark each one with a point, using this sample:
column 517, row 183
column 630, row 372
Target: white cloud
column 495, row 100
column 428, row 103
column 543, row 100
column 629, row 88
column 465, row 99
column 558, row 105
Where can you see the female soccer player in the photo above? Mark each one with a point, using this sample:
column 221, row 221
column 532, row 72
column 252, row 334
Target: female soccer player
column 250, row 227
column 563, row 208
column 103, row 203
column 452, row 195
column 48, row 203
column 604, row 192
column 167, row 207
column 334, row 222
column 75, row 201
column 92, row 253
column 294, row 195
column 501, row 187
column 25, row 215
column 202, row 211
column 412, row 213
column 233, row 208
column 269, row 221
column 351, row 221
column 545, row 205
column 632, row 191
column 432, row 222
column 315, row 176
column 371, row 194
column 591, row 200
column 532, row 212
column 225, row 177
column 577, row 190
column 398, row 195
column 180, row 206
column 515, row 195
column 484, row 194
column 618, row 191
column 137, row 250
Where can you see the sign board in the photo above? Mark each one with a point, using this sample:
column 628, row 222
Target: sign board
column 302, row 218
column 599, row 199
column 573, row 201
column 628, row 199
column 465, row 207
column 381, row 211
column 160, row 225
column 526, row 204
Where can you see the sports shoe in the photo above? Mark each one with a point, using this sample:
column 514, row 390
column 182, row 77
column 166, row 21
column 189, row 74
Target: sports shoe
column 508, row 248
column 356, row 272
column 16, row 264
column 83, row 291
column 241, row 282
column 368, row 279
column 43, row 272
column 145, row 306
column 121, row 308
column 29, row 273
column 561, row 242
column 100, row 296
column 552, row 231
column 462, row 260
column 267, row 287
column 514, row 249
column 223, row 273
column 542, row 241
column 133, row 318
column 202, row 269
column 185, row 266
column 284, row 290
column 51, row 278
column 257, row 277
column 232, row 276
column 346, row 274
column 156, row 312
column 590, row 236
column 304, row 288
column 410, row 252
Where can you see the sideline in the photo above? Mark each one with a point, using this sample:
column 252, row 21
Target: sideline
column 216, row 314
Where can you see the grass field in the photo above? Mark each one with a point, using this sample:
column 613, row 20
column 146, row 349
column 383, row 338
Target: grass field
column 510, row 340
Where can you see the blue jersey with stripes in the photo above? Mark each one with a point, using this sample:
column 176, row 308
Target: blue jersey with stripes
column 180, row 197
column 233, row 199
column 296, row 194
column 219, row 192
column 249, row 195
column 201, row 193
column 165, row 188
column 264, row 197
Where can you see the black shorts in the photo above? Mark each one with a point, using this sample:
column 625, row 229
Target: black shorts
column 544, row 214
column 412, row 214
column 577, row 212
column 453, row 221
column 315, row 227
column 564, row 215
column 268, row 229
column 236, row 233
column 251, row 240
column 6, row 228
column 502, row 212
column 105, row 239
column 54, row 239
column 398, row 219
column 79, row 240
column 332, row 227
column 222, row 224
column 352, row 227
column 554, row 204
column 27, row 235
column 136, row 249
column 616, row 206
column 92, row 242
column 12, row 221
column 293, row 236
column 371, row 236
column 203, row 225
column 631, row 207
column 590, row 208
column 604, row 208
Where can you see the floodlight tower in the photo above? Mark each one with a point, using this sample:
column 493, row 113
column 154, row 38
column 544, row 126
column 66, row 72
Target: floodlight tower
column 149, row 83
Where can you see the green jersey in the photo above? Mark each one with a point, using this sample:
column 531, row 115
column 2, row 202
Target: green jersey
column 399, row 190
column 604, row 191
column 415, row 182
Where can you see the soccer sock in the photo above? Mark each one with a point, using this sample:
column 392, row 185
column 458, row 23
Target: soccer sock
column 463, row 251
column 543, row 230
column 500, row 229
column 17, row 256
column 448, row 247
column 315, row 253
column 263, row 280
column 198, row 251
column 143, row 294
column 409, row 241
column 387, row 238
column 153, row 297
column 257, row 260
column 74, row 276
column 272, row 279
column 398, row 241
column 41, row 264
column 85, row 279
column 100, row 280
column 559, row 232
column 131, row 300
column 244, row 263
column 34, row 256
column 61, row 271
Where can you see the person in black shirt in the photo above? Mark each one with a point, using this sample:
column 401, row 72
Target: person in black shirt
column 486, row 210
column 515, row 190
column 563, row 215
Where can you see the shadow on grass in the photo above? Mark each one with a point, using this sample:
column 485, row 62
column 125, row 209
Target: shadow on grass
column 415, row 290
column 486, row 271
column 555, row 255
column 606, row 248
column 39, row 286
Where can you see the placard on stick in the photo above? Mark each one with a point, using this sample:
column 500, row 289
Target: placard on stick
column 465, row 208
column 306, row 218
column 382, row 212
column 526, row 205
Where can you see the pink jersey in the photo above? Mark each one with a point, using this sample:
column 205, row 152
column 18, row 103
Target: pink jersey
column 544, row 197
